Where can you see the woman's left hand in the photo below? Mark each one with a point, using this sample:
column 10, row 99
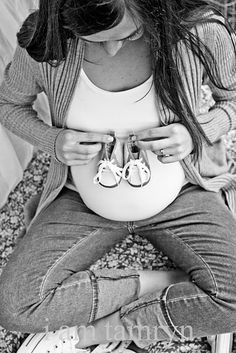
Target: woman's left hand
column 170, row 143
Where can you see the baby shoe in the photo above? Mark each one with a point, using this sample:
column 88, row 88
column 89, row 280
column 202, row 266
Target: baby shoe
column 136, row 170
column 109, row 172
column 64, row 341
column 61, row 341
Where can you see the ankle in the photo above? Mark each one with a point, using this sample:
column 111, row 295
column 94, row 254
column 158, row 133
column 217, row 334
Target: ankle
column 151, row 281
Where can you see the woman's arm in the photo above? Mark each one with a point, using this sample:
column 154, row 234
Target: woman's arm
column 18, row 91
column 222, row 116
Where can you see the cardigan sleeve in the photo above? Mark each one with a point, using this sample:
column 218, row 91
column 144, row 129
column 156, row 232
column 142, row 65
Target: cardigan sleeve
column 221, row 118
column 18, row 91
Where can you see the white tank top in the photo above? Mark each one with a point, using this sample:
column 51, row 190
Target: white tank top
column 97, row 110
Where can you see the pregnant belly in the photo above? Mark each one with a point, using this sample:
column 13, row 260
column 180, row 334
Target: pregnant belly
column 125, row 202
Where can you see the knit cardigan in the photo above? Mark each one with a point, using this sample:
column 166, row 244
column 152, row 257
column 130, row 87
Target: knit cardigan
column 24, row 78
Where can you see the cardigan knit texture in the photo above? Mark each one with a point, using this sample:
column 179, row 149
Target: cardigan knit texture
column 24, row 78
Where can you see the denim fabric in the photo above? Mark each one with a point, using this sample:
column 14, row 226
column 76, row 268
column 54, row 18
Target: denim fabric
column 47, row 284
column 198, row 233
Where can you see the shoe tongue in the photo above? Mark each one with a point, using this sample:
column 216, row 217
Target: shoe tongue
column 135, row 151
column 136, row 155
column 109, row 149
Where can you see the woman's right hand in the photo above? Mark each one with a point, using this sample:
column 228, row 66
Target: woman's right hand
column 77, row 148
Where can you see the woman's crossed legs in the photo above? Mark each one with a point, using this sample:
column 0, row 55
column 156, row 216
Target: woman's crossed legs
column 47, row 285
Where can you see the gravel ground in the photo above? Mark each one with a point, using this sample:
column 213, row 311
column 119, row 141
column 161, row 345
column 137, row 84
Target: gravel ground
column 133, row 252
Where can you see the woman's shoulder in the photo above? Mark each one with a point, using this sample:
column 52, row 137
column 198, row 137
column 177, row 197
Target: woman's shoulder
column 22, row 59
column 31, row 63
column 211, row 26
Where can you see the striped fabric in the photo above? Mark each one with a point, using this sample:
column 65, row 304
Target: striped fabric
column 24, row 79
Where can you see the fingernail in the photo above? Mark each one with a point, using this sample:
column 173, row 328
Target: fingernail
column 110, row 139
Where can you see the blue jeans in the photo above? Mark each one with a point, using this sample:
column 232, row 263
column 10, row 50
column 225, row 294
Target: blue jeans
column 47, row 283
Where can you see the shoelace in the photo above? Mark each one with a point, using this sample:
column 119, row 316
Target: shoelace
column 143, row 170
column 104, row 165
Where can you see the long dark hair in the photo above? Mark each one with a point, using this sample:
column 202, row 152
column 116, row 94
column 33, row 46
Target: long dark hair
column 46, row 32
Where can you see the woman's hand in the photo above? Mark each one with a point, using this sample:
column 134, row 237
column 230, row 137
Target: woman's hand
column 170, row 143
column 77, row 148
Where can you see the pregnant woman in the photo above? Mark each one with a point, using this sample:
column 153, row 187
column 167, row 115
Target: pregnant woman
column 131, row 153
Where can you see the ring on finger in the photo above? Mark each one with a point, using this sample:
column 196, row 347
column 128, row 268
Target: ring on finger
column 162, row 152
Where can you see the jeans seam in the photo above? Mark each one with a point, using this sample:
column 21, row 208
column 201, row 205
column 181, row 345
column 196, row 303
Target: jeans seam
column 69, row 285
column 94, row 307
column 137, row 307
column 163, row 305
column 116, row 279
column 200, row 257
column 187, row 298
column 166, row 313
column 56, row 262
